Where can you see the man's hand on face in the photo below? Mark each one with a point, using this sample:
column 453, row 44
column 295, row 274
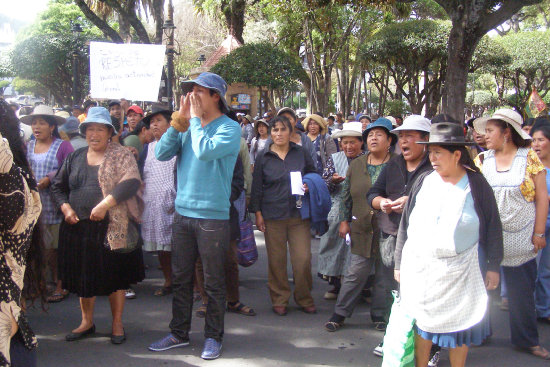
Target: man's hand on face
column 196, row 106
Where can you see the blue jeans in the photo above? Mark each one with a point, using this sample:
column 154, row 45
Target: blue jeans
column 542, row 286
column 209, row 239
column 520, row 281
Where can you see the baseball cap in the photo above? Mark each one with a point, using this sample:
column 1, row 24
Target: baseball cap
column 210, row 81
column 136, row 109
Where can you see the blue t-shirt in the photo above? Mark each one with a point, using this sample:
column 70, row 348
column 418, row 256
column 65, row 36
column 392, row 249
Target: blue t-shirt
column 467, row 229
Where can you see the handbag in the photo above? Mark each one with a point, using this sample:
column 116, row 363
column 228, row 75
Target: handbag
column 247, row 252
column 387, row 248
column 399, row 338
column 132, row 238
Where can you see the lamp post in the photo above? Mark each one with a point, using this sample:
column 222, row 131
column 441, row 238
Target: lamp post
column 169, row 28
column 201, row 59
column 75, row 29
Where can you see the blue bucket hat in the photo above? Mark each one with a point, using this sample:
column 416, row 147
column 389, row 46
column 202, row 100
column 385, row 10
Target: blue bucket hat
column 71, row 126
column 97, row 115
column 383, row 123
column 210, row 81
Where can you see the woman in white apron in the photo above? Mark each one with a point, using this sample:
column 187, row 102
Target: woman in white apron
column 451, row 211
column 517, row 177
column 159, row 198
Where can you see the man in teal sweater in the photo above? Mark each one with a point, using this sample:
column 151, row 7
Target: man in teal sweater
column 206, row 143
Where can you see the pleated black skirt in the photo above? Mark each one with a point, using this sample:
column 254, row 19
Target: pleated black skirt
column 89, row 268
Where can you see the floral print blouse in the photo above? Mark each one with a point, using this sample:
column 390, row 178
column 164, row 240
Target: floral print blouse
column 19, row 210
column 534, row 166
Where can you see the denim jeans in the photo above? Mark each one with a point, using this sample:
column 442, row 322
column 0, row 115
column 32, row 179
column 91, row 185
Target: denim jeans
column 209, row 239
column 542, row 288
column 521, row 299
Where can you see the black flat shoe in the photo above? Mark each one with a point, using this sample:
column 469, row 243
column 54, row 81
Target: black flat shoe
column 118, row 339
column 77, row 336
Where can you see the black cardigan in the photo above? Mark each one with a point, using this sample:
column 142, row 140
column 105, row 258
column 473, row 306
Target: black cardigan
column 490, row 227
column 393, row 182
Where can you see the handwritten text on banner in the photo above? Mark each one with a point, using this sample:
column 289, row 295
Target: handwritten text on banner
column 130, row 71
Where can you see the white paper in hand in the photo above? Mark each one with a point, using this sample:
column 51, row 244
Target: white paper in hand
column 296, row 184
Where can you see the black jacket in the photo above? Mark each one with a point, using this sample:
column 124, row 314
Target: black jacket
column 395, row 181
column 490, row 227
column 271, row 191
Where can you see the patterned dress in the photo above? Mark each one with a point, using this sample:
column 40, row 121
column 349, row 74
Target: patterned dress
column 19, row 211
column 333, row 252
column 42, row 164
column 515, row 194
column 159, row 199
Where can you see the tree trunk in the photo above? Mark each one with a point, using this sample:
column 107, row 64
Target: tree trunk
column 124, row 28
column 471, row 20
column 233, row 11
column 461, row 48
column 158, row 15
column 130, row 15
column 98, row 22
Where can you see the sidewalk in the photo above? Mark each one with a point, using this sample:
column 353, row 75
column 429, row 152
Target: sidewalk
column 265, row 340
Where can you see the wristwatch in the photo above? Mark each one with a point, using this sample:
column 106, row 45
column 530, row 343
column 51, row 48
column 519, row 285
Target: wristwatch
column 541, row 235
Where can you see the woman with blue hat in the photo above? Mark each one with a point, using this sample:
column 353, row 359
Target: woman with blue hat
column 358, row 224
column 99, row 253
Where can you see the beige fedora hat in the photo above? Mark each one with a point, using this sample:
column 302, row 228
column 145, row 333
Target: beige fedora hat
column 42, row 111
column 503, row 114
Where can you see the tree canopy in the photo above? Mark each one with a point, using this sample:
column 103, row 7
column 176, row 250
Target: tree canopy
column 260, row 65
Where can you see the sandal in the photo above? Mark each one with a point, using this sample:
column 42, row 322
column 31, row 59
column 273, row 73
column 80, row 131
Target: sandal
column 57, row 297
column 333, row 325
column 241, row 309
column 163, row 291
column 201, row 311
column 539, row 352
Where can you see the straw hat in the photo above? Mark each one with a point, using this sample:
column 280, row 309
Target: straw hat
column 504, row 114
column 318, row 119
column 44, row 112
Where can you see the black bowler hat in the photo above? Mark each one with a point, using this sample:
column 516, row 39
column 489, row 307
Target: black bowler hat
column 446, row 133
column 156, row 109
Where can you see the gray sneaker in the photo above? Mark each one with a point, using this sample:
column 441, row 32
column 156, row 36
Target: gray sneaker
column 168, row 342
column 212, row 349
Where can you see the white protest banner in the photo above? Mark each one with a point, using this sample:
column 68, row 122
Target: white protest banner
column 131, row 71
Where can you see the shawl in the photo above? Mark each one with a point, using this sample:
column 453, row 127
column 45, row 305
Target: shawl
column 119, row 165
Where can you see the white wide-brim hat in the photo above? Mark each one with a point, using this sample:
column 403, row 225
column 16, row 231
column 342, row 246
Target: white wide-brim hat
column 504, row 114
column 414, row 123
column 353, row 128
column 42, row 111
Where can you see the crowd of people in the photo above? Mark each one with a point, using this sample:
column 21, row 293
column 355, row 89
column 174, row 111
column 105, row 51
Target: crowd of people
column 441, row 211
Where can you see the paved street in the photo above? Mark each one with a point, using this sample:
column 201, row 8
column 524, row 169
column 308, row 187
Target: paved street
column 265, row 340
